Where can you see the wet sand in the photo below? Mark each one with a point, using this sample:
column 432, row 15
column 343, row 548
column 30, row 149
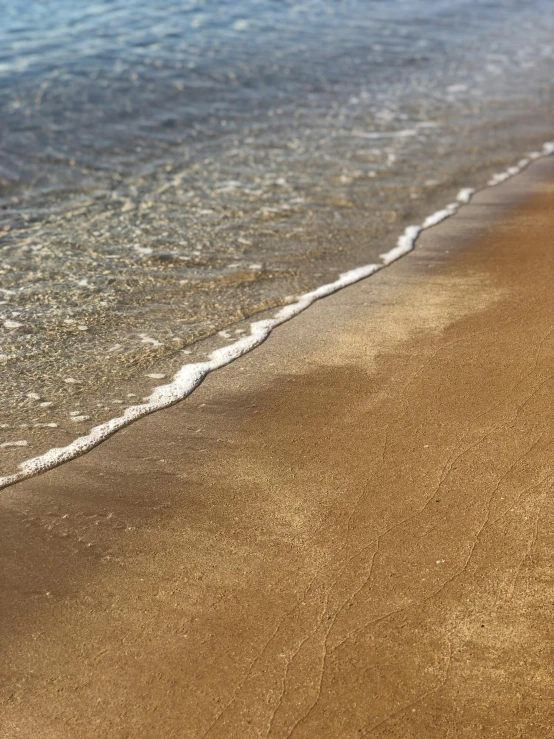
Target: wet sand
column 346, row 533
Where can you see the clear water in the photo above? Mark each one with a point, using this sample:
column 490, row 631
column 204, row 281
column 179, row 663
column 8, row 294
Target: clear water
column 167, row 170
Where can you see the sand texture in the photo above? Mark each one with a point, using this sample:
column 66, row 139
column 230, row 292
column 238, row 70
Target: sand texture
column 347, row 533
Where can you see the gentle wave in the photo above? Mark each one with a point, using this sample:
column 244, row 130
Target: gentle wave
column 191, row 375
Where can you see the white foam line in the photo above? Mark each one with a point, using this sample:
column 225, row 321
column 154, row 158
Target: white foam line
column 403, row 134
column 189, row 377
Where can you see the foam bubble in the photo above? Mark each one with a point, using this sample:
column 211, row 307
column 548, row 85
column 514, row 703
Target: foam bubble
column 189, row 377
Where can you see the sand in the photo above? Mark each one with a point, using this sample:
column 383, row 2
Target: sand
column 347, row 533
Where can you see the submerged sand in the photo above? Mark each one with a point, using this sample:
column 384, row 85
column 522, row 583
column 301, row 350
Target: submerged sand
column 347, row 533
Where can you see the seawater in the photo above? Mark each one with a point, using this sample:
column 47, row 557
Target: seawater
column 168, row 170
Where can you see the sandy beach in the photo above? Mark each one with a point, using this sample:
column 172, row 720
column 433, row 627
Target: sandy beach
column 346, row 533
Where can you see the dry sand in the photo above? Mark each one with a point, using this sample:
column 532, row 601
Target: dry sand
column 347, row 533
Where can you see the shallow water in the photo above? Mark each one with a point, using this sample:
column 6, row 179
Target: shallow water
column 167, row 170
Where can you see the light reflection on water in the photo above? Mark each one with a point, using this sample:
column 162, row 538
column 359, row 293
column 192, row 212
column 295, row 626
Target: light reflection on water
column 167, row 169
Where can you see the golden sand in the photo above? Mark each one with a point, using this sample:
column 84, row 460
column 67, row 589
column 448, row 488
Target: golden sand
column 347, row 533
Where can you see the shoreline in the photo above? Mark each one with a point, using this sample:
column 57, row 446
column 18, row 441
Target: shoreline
column 190, row 376
column 345, row 533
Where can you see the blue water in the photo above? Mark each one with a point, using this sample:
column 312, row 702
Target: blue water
column 100, row 83
column 167, row 169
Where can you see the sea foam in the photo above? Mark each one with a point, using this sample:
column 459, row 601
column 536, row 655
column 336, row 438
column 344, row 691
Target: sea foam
column 190, row 376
